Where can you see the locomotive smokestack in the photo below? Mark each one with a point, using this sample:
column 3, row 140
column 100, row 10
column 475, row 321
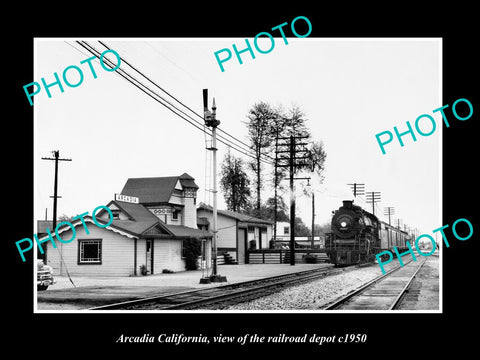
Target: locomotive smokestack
column 347, row 204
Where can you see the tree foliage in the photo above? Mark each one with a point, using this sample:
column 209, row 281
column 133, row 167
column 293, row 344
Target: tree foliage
column 267, row 127
column 261, row 117
column 295, row 122
column 301, row 229
column 192, row 250
column 235, row 184
column 267, row 210
column 282, row 209
column 316, row 158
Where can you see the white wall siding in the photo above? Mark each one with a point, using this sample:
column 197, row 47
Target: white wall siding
column 190, row 213
column 227, row 232
column 176, row 199
column 117, row 253
column 281, row 225
column 227, row 229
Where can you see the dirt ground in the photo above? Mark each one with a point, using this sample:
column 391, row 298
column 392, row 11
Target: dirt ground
column 88, row 292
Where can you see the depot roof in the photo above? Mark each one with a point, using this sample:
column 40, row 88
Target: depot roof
column 153, row 190
column 140, row 223
column 240, row 217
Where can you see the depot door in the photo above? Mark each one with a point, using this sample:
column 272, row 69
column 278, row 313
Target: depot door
column 241, row 245
column 149, row 256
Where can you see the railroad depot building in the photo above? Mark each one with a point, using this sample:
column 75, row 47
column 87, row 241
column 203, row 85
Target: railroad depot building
column 236, row 233
column 152, row 217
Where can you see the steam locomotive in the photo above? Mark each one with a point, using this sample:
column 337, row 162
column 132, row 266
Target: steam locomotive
column 357, row 236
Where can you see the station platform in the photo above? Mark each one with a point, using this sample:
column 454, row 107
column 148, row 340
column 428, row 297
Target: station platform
column 95, row 291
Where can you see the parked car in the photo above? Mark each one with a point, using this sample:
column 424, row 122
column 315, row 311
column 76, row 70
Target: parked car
column 44, row 276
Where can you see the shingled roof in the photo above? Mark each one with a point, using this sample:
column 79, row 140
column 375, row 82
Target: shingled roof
column 234, row 215
column 154, row 190
column 142, row 221
column 141, row 224
column 187, row 181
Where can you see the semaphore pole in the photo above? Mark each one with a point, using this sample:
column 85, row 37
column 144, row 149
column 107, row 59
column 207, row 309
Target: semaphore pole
column 211, row 121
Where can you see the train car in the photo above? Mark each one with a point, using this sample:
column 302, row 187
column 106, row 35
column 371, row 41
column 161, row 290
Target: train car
column 391, row 237
column 357, row 236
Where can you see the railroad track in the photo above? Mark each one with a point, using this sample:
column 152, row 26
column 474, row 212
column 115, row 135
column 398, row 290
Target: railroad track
column 224, row 294
column 382, row 293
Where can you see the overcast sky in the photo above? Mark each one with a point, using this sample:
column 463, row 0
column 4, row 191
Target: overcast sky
column 349, row 89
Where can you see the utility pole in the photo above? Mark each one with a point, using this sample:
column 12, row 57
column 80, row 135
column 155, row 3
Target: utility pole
column 275, row 211
column 358, row 189
column 372, row 197
column 292, row 200
column 56, row 158
column 313, row 219
column 389, row 211
column 293, row 165
column 211, row 121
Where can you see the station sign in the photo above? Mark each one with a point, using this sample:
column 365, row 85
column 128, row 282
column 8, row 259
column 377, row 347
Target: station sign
column 126, row 198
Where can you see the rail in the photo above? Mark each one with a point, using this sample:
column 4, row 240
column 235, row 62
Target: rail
column 338, row 303
column 232, row 292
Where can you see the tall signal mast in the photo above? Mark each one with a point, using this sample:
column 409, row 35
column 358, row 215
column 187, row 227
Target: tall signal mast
column 212, row 122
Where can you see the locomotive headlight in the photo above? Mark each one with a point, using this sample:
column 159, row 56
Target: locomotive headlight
column 344, row 223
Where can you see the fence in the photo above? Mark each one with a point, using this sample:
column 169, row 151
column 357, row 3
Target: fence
column 282, row 256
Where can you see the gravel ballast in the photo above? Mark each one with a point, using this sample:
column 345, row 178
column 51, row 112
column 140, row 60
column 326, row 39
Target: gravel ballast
column 316, row 294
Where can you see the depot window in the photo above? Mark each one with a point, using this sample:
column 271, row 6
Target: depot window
column 89, row 251
column 175, row 214
column 116, row 214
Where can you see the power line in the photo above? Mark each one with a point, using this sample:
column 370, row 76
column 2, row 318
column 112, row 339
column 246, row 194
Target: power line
column 181, row 103
column 166, row 92
column 154, row 96
column 194, row 112
column 95, row 52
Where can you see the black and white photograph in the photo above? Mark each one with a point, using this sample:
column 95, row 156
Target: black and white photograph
column 247, row 183
column 202, row 197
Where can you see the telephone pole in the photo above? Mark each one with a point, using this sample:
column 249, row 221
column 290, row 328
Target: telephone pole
column 398, row 224
column 358, row 189
column 56, row 158
column 275, row 180
column 389, row 211
column 372, row 197
column 293, row 165
column 313, row 219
